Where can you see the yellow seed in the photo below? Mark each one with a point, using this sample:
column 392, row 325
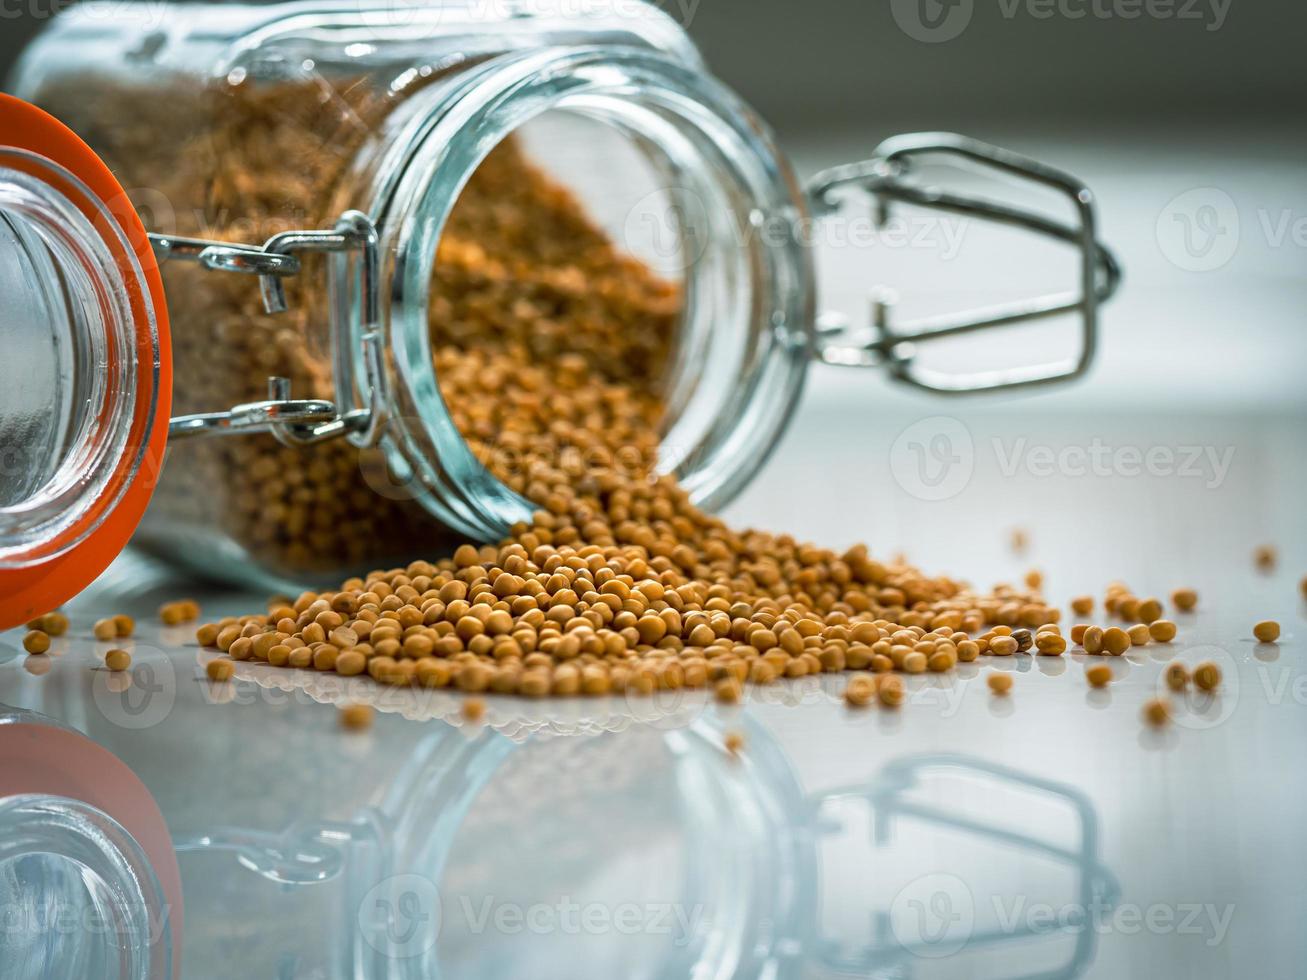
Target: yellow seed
column 1207, row 676
column 861, row 690
column 968, row 650
column 1184, row 599
column 734, row 742
column 1139, row 635
column 1034, row 578
column 999, row 683
column 1082, row 605
column 1148, row 610
column 1163, row 630
column 124, row 625
column 1099, row 675
column 105, row 629
column 207, row 635
column 1003, row 646
column 1176, row 675
column 1157, row 712
column 727, row 690
column 53, row 624
column 1267, row 631
column 1050, row 644
column 1265, row 558
column 915, row 663
column 355, row 717
column 1116, row 641
column 117, row 660
column 1092, row 639
column 37, row 641
column 219, row 669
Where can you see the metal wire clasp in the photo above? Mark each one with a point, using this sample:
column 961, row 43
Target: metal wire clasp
column 353, row 326
column 884, row 178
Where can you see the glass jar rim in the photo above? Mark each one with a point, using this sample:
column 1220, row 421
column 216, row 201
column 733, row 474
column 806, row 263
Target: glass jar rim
column 448, row 138
column 91, row 253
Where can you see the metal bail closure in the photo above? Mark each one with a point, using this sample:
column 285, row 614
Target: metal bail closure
column 85, row 378
column 302, row 422
column 885, row 177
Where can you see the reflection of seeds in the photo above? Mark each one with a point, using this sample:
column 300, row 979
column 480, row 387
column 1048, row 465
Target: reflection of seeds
column 355, row 717
column 1099, row 675
column 220, row 669
column 474, row 709
column 1267, row 631
column 861, row 690
column 890, row 690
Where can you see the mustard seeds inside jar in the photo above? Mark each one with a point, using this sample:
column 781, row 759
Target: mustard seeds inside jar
column 430, row 270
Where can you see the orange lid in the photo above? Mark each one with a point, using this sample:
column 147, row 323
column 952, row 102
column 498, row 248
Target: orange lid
column 54, row 570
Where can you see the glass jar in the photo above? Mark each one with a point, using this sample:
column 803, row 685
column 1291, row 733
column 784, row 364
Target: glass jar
column 419, row 174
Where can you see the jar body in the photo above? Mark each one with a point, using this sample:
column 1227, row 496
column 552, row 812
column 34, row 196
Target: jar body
column 239, row 124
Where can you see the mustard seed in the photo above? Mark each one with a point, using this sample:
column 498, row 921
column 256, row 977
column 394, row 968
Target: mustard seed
column 1116, row 641
column 52, row 624
column 1139, row 635
column 1184, row 600
column 1003, row 646
column 1267, row 631
column 117, row 660
column 1265, row 558
column 1207, row 676
column 1092, row 639
column 1157, row 712
column 219, row 669
column 1176, row 675
column 105, row 629
column 1050, row 644
column 1148, row 610
column 1082, row 605
column 123, row 626
column 474, row 709
column 36, row 641
column 1162, row 630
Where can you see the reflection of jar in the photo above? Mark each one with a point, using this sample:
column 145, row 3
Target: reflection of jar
column 264, row 123
column 643, row 853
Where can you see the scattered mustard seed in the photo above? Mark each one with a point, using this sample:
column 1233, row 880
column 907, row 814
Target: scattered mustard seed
column 734, row 742
column 1207, row 676
column 117, row 660
column 1184, row 599
column 1162, row 630
column 474, row 709
column 1139, row 635
column 1157, row 712
column 1267, row 631
column 123, row 625
column 1082, row 605
column 105, row 629
column 1116, row 641
column 37, row 641
column 1176, row 675
column 53, row 624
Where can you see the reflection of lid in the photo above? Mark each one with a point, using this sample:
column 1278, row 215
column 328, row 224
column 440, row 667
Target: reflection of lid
column 85, row 381
column 81, row 807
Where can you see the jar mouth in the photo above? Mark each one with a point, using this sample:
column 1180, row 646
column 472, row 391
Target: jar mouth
column 74, row 410
column 746, row 331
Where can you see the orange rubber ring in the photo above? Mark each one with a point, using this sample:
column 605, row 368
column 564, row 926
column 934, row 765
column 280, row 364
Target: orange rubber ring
column 29, row 592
